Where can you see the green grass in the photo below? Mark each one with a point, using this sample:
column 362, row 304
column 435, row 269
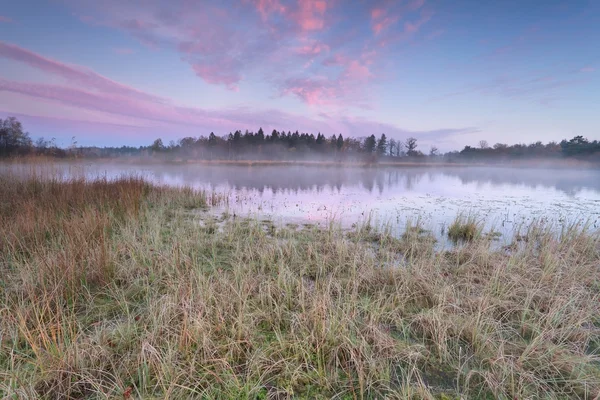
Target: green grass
column 120, row 289
column 465, row 229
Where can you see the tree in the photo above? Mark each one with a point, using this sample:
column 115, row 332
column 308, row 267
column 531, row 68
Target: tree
column 370, row 143
column 260, row 136
column 483, row 144
column 411, row 146
column 333, row 141
column 212, row 140
column 340, row 142
column 187, row 142
column 579, row 146
column 157, row 145
column 392, row 147
column 399, row 146
column 41, row 143
column 12, row 136
column 320, row 139
column 274, row 136
column 434, row 151
column 382, row 145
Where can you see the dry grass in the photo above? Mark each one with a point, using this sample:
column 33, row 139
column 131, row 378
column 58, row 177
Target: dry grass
column 123, row 290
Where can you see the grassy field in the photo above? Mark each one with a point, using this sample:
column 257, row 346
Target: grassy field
column 123, row 290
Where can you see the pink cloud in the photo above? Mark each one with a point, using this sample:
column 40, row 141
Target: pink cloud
column 386, row 13
column 5, row 19
column 358, row 71
column 382, row 19
column 113, row 100
column 224, row 73
column 377, row 13
column 313, row 91
column 73, row 74
column 152, row 115
column 349, row 87
column 587, row 69
column 271, row 38
column 314, row 49
column 267, row 7
column 310, row 14
column 384, row 24
column 336, row 60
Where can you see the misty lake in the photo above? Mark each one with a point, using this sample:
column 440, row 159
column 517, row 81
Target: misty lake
column 505, row 198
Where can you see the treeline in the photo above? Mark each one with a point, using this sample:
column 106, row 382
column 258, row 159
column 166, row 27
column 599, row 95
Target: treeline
column 576, row 148
column 281, row 145
column 285, row 146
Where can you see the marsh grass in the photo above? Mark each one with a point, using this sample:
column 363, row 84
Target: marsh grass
column 465, row 229
column 120, row 289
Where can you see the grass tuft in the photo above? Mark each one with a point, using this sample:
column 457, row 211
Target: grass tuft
column 465, row 229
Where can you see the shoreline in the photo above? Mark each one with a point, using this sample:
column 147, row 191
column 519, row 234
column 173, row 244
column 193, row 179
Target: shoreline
column 533, row 164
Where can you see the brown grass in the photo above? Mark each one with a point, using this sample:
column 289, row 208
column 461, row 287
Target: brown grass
column 118, row 289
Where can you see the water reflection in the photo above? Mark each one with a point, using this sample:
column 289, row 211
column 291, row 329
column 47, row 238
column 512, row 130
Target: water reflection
column 505, row 197
column 314, row 179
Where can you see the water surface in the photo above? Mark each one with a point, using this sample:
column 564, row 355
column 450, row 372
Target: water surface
column 505, row 198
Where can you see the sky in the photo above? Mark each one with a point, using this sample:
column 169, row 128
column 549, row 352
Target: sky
column 450, row 73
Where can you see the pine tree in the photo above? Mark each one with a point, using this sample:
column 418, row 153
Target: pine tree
column 370, row 143
column 382, row 145
column 340, row 142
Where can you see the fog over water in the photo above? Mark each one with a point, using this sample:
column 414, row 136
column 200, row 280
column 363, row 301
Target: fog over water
column 505, row 198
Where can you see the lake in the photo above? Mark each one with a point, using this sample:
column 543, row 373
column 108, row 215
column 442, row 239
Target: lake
column 506, row 198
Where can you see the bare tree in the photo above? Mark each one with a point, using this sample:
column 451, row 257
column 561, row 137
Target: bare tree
column 399, row 146
column 483, row 144
column 411, row 146
column 434, row 151
column 392, row 146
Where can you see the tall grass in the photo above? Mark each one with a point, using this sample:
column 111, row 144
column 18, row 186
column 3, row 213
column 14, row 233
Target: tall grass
column 114, row 289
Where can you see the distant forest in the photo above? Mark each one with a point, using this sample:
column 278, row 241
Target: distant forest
column 291, row 146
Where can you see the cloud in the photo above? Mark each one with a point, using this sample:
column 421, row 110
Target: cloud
column 226, row 72
column 310, row 14
column 519, row 86
column 348, row 87
column 382, row 20
column 383, row 24
column 5, row 19
column 587, row 69
column 336, row 60
column 267, row 7
column 90, row 91
column 360, row 127
column 73, row 74
column 313, row 49
column 281, row 42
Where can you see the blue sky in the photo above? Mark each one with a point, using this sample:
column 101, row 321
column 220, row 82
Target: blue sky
column 447, row 72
